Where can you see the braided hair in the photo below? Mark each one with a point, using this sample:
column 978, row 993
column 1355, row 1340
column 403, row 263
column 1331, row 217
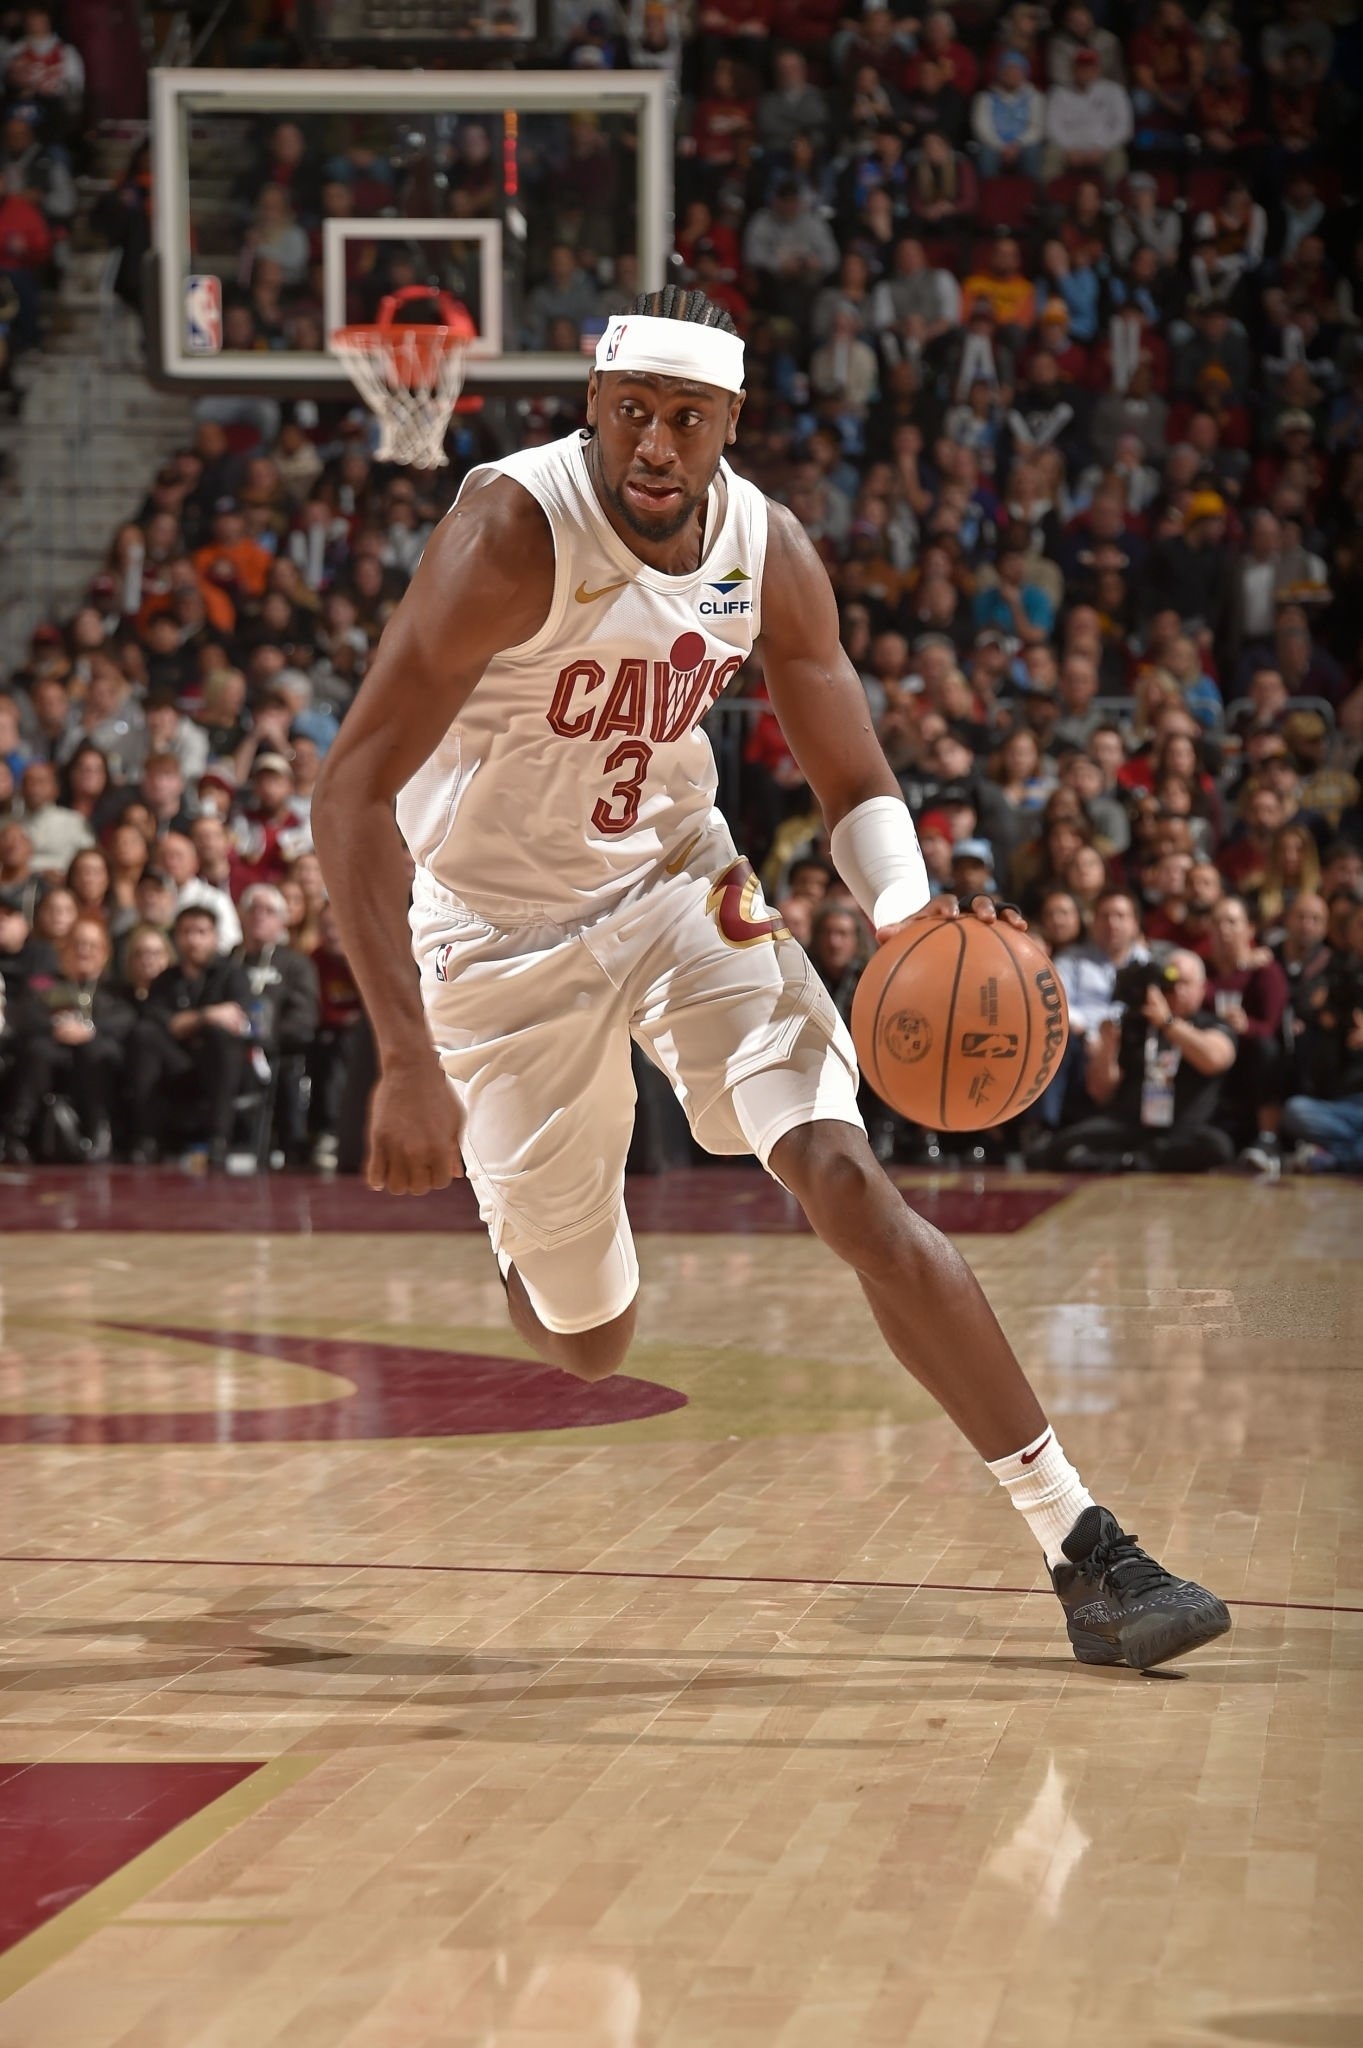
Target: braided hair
column 675, row 302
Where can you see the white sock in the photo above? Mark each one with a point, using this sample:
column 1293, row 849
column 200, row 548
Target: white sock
column 1045, row 1489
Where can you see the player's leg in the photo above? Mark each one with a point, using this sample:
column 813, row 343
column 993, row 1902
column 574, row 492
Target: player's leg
column 762, row 1063
column 1121, row 1606
column 533, row 1039
column 931, row 1309
column 585, row 1277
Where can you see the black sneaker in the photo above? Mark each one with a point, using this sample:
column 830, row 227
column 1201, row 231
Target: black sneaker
column 1123, row 1608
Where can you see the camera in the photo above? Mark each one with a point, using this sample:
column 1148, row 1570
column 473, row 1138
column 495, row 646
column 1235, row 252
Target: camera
column 1138, row 977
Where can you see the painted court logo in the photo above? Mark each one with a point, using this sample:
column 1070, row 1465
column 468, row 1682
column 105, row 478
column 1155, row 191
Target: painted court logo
column 732, row 598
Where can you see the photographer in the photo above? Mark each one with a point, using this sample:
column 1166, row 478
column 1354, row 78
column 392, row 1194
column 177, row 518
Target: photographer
column 1156, row 1073
column 1327, row 1119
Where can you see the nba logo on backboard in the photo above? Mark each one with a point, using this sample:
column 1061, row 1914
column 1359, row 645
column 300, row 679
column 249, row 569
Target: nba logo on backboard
column 203, row 316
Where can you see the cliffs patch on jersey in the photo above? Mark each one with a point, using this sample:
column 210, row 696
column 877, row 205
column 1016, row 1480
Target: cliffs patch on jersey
column 660, row 701
column 731, row 598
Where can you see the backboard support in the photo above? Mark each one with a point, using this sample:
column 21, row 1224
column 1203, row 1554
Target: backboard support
column 528, row 118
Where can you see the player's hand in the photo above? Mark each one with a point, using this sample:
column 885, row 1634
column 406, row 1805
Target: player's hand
column 946, row 906
column 415, row 1124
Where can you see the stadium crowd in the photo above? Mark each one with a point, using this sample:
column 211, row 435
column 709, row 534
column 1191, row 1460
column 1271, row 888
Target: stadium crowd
column 1054, row 327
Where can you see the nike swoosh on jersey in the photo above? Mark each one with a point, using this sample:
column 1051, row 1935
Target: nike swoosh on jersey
column 585, row 596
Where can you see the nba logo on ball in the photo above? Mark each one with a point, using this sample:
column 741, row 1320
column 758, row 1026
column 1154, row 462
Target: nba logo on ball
column 203, row 316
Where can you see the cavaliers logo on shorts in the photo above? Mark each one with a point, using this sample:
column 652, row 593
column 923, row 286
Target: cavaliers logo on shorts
column 908, row 1037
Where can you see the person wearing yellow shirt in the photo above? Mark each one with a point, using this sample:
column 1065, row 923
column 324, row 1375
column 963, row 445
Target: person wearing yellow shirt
column 1008, row 292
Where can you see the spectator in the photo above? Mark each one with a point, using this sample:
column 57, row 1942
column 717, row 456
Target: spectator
column 25, row 250
column 1326, row 1118
column 32, row 172
column 1009, row 295
column 942, row 185
column 837, row 950
column 146, row 954
column 1009, row 120
column 187, row 1053
column 267, row 832
column 283, row 1009
column 55, row 834
column 567, row 294
column 1249, row 995
column 1088, row 122
column 791, row 249
column 919, row 303
column 89, row 882
column 179, row 862
column 793, row 108
column 162, row 789
column 1156, row 1075
column 1088, row 970
column 70, row 1042
column 1077, row 30
column 44, row 69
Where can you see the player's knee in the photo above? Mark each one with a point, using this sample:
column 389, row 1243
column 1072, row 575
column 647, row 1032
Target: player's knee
column 595, row 1354
column 833, row 1174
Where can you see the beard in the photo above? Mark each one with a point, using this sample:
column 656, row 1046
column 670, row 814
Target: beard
column 663, row 528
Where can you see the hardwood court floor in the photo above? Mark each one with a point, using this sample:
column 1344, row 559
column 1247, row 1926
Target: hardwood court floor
column 349, row 1699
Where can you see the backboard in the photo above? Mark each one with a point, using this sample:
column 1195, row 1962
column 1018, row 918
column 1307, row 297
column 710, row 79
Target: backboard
column 308, row 194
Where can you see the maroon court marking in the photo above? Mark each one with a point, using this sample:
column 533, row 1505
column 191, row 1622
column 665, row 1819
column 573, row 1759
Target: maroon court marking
column 728, row 1201
column 399, row 1390
column 547, row 1571
column 64, row 1828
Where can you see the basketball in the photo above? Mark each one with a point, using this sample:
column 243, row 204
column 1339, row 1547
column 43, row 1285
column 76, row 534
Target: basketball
column 959, row 1024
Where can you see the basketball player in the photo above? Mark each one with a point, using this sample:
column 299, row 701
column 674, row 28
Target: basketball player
column 534, row 710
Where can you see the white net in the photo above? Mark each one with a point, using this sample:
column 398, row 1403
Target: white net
column 410, row 378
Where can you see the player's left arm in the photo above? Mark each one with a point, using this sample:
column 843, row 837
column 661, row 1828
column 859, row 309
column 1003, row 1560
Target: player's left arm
column 822, row 710
column 815, row 691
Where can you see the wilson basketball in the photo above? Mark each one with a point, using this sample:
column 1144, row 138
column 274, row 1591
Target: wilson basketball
column 959, row 1024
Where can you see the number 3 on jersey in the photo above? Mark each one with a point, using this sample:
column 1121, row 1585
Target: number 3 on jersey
column 620, row 810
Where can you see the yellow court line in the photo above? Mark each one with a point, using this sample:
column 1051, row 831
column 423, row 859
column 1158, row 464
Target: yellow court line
column 125, row 1886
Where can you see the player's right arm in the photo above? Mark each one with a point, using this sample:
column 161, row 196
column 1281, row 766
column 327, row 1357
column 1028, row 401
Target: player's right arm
column 485, row 583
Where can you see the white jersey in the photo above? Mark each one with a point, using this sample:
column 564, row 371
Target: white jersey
column 577, row 770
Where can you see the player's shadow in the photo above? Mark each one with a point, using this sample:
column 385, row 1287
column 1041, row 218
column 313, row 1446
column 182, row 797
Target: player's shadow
column 206, row 1655
column 1289, row 2029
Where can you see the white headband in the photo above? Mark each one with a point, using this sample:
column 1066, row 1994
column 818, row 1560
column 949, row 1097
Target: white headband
column 672, row 348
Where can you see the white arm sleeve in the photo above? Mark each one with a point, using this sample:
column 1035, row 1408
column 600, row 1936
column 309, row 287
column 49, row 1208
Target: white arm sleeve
column 875, row 849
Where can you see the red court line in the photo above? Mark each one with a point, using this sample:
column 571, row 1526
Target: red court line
column 545, row 1571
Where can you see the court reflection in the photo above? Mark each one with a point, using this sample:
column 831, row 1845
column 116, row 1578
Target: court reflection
column 1046, row 1847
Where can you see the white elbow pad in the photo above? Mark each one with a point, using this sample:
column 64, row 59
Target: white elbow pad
column 875, row 849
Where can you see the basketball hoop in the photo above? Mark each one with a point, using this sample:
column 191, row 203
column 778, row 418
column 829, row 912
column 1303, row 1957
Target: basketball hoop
column 410, row 373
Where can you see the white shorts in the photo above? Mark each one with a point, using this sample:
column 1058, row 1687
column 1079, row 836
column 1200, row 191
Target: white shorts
column 533, row 1026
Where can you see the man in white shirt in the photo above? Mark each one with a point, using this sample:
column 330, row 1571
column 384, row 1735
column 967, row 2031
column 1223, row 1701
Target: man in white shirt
column 916, row 301
column 57, row 834
column 1088, row 973
column 1088, row 124
column 178, row 858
